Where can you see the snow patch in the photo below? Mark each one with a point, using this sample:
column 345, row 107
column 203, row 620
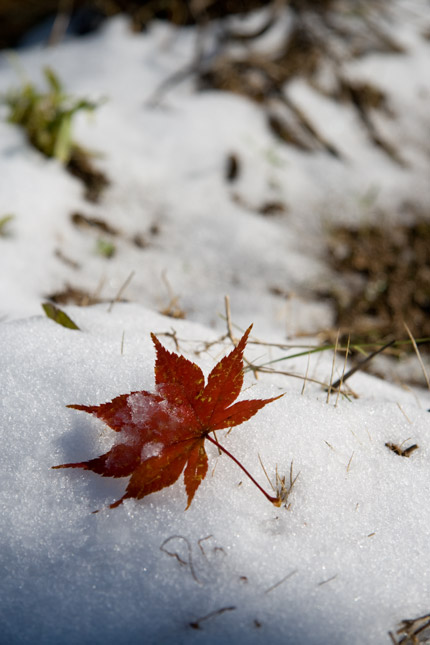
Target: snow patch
column 152, row 449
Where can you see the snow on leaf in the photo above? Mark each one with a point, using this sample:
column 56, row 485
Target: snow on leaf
column 162, row 434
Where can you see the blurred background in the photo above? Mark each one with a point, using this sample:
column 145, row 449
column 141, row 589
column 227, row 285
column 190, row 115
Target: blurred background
column 291, row 59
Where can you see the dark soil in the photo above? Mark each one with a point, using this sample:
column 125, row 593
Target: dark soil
column 383, row 280
column 81, row 167
column 74, row 296
column 17, row 17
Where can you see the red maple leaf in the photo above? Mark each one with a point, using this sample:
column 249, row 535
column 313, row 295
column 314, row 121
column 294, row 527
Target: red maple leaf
column 163, row 432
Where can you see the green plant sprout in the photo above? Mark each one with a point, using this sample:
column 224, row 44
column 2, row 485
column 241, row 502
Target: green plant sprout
column 105, row 248
column 4, row 221
column 47, row 116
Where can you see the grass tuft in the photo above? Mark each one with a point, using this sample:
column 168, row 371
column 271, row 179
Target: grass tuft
column 47, row 116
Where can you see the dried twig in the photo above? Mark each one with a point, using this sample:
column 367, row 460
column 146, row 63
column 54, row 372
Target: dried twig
column 280, row 582
column 176, row 555
column 324, row 582
column 399, row 450
column 196, row 623
column 361, row 364
column 200, row 544
column 61, row 22
column 411, row 628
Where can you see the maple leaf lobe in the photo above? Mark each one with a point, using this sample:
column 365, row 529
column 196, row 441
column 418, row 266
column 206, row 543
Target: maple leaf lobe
column 224, row 383
column 175, row 370
column 195, row 470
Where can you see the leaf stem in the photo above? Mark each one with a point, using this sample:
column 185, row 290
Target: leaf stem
column 274, row 500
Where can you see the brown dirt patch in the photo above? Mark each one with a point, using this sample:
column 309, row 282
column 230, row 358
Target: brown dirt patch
column 74, row 296
column 94, row 180
column 17, row 17
column 383, row 280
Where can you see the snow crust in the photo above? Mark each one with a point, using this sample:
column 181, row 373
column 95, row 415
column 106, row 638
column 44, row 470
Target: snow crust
column 350, row 555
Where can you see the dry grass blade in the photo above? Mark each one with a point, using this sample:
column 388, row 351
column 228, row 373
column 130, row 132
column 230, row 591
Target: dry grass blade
column 265, row 472
column 306, row 375
column 404, row 413
column 172, row 309
column 342, row 378
column 230, row 332
column 331, row 386
column 228, row 319
column 265, row 370
column 417, row 352
column 121, row 291
column 281, row 488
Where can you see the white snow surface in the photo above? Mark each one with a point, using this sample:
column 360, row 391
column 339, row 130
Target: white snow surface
column 348, row 558
column 358, row 519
